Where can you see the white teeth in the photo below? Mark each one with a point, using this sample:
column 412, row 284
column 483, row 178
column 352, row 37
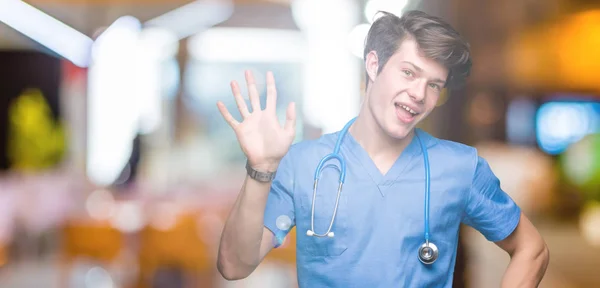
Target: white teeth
column 409, row 110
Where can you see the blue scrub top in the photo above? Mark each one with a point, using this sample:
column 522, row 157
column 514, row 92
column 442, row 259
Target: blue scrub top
column 380, row 220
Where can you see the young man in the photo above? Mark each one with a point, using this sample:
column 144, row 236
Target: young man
column 379, row 228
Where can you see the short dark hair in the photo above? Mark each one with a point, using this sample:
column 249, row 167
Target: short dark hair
column 437, row 39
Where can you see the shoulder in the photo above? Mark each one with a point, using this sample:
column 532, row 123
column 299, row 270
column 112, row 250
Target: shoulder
column 452, row 148
column 309, row 146
column 464, row 158
column 457, row 149
column 304, row 150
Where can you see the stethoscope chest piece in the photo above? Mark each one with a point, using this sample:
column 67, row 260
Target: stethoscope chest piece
column 428, row 253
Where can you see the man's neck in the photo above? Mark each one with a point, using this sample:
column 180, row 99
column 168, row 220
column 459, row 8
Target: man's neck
column 383, row 149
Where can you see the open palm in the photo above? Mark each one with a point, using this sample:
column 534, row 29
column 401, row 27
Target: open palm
column 262, row 138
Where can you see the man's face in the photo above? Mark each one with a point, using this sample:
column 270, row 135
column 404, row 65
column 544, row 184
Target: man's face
column 406, row 90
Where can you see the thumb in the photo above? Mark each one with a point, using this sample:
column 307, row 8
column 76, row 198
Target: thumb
column 290, row 117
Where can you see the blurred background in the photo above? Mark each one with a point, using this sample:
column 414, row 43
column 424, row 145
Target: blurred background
column 118, row 171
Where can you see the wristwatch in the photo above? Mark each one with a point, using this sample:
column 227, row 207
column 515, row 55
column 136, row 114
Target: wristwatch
column 258, row 175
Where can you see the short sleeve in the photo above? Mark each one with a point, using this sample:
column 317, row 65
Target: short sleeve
column 489, row 209
column 279, row 212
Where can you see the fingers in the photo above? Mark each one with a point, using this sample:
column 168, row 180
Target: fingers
column 226, row 115
column 271, row 92
column 252, row 91
column 290, row 118
column 239, row 100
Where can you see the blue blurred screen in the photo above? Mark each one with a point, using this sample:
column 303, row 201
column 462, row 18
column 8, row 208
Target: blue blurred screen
column 562, row 123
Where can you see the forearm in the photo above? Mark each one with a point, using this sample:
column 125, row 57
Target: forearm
column 526, row 268
column 239, row 250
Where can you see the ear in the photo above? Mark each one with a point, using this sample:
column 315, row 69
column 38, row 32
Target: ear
column 372, row 65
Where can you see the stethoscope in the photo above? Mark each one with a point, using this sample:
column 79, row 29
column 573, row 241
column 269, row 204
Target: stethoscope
column 428, row 252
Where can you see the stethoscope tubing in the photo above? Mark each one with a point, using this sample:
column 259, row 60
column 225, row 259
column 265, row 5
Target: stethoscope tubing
column 335, row 155
column 427, row 185
column 428, row 259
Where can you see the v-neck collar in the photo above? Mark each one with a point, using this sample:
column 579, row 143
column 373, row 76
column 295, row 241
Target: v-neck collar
column 385, row 181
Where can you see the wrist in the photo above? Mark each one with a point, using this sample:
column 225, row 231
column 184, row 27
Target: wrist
column 265, row 176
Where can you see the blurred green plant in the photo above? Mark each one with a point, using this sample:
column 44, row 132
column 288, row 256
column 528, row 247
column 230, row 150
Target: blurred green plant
column 35, row 140
column 580, row 164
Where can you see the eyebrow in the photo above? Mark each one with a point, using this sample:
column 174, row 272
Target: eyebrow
column 438, row 80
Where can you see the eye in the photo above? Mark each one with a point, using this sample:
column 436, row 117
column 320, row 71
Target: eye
column 408, row 73
column 435, row 86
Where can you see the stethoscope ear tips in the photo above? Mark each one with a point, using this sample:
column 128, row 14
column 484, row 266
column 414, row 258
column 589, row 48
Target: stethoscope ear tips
column 428, row 253
column 330, row 234
column 310, row 233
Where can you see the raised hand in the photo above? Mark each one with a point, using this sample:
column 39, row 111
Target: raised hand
column 261, row 136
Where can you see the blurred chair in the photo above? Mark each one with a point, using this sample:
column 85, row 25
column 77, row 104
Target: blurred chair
column 98, row 241
column 177, row 248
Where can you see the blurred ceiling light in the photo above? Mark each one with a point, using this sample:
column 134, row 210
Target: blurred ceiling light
column 158, row 43
column 329, row 100
column 155, row 47
column 193, row 17
column 126, row 81
column 247, row 44
column 316, row 14
column 392, row 6
column 113, row 116
column 123, row 32
column 46, row 30
column 356, row 39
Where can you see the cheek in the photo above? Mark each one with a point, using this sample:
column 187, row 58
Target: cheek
column 379, row 99
column 432, row 100
column 377, row 105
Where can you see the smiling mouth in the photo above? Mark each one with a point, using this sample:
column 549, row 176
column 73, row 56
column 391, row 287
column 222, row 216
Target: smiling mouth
column 412, row 112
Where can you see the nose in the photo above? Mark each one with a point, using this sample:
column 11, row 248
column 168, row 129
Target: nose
column 417, row 91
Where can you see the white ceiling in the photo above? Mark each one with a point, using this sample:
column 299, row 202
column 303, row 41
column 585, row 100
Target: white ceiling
column 90, row 18
column 85, row 18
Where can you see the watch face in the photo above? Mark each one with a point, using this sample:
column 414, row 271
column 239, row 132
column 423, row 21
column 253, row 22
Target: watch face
column 260, row 176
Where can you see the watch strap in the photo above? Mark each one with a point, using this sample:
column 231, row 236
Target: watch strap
column 259, row 175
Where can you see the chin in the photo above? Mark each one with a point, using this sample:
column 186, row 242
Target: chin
column 399, row 130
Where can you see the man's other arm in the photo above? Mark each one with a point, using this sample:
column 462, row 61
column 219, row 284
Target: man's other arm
column 529, row 256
